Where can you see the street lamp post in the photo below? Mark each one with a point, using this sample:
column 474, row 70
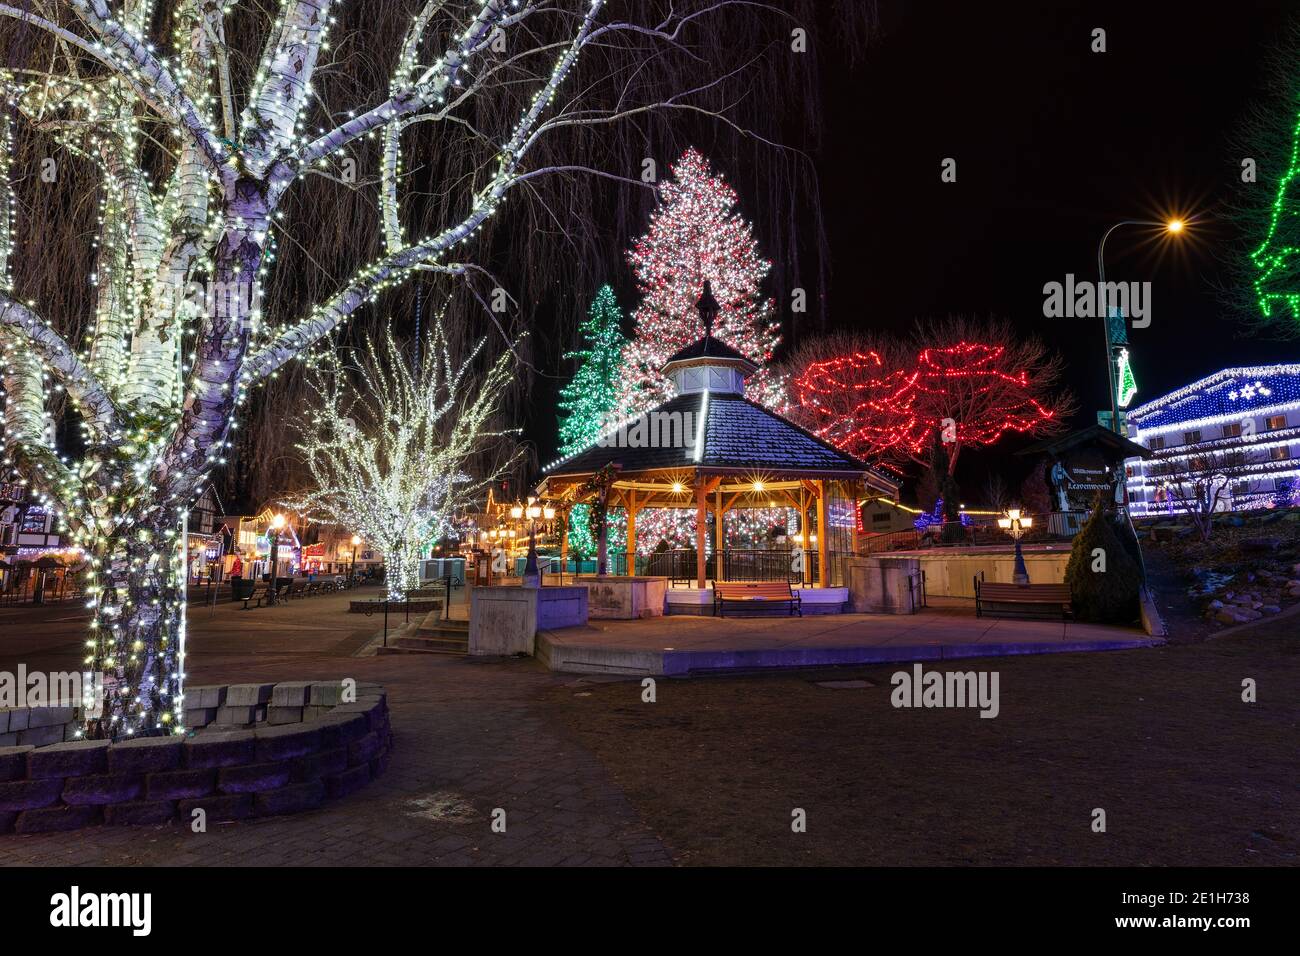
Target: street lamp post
column 1172, row 227
column 277, row 523
column 352, row 570
column 1016, row 524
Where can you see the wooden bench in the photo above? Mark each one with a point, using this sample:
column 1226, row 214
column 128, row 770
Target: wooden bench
column 257, row 594
column 1027, row 596
column 754, row 595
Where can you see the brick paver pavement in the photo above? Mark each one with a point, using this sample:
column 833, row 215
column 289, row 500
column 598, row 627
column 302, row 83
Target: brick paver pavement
column 469, row 737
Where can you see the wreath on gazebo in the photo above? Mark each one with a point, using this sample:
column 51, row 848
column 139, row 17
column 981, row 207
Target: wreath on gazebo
column 599, row 485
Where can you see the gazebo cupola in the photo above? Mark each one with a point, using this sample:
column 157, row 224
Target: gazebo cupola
column 709, row 364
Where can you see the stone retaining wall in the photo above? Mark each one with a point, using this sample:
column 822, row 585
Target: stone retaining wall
column 265, row 749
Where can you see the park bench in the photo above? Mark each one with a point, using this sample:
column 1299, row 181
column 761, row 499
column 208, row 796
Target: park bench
column 257, row 594
column 754, row 595
column 313, row 588
column 1012, row 597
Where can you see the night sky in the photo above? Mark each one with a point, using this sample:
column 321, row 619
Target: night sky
column 1053, row 144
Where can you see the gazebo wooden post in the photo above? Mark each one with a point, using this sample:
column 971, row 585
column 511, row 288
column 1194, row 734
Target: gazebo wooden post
column 701, row 532
column 855, row 490
column 564, row 543
column 602, row 543
column 822, row 577
column 630, row 503
column 719, row 534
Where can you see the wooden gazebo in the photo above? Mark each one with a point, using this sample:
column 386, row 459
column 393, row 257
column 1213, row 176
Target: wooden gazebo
column 712, row 449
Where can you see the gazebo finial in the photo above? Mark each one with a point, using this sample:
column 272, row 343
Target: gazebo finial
column 708, row 307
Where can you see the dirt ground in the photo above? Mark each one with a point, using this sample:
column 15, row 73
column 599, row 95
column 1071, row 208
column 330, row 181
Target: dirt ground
column 1160, row 739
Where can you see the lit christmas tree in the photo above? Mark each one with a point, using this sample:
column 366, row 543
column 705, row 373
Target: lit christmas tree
column 590, row 398
column 697, row 234
column 694, row 235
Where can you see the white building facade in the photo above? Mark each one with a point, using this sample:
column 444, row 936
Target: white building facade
column 1243, row 422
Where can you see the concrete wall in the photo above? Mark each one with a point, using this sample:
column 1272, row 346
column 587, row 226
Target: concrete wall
column 505, row 620
column 882, row 584
column 951, row 572
column 624, row 598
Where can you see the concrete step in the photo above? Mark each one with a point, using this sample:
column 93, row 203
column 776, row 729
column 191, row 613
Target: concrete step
column 454, row 630
column 438, row 644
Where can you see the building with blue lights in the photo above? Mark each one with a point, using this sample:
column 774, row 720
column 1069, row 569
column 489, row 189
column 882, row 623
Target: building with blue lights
column 1240, row 425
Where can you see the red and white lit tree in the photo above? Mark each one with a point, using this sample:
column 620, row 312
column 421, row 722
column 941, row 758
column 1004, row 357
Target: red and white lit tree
column 697, row 234
column 973, row 383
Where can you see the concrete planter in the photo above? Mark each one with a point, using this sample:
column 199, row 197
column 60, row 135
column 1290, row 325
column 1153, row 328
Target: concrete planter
column 505, row 620
column 618, row 597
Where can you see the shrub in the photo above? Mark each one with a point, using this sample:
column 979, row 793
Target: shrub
column 1103, row 597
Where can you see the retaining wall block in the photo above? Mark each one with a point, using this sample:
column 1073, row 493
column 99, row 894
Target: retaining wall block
column 320, row 764
column 363, row 750
column 13, row 763
column 294, row 798
column 41, row 736
column 234, row 806
column 283, row 715
column 219, row 749
column 248, row 695
column 209, row 696
column 253, row 778
column 146, row 754
column 30, row 794
column 372, row 710
column 236, row 715
column 52, row 819
column 71, row 759
column 179, row 784
column 49, row 716
column 290, row 740
column 102, row 788
column 291, row 694
column 327, row 692
column 339, row 730
column 200, row 716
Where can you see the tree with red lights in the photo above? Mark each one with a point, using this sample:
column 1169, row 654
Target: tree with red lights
column 970, row 382
column 697, row 234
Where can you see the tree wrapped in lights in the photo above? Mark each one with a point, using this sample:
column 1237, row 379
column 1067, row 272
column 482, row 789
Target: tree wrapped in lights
column 696, row 234
column 195, row 167
column 589, row 400
column 970, row 383
column 390, row 447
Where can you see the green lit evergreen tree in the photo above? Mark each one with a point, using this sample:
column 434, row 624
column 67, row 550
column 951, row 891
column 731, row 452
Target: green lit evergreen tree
column 589, row 400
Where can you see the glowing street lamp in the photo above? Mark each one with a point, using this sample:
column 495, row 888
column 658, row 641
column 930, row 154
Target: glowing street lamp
column 277, row 525
column 1016, row 524
column 532, row 575
column 1170, row 227
column 356, row 543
